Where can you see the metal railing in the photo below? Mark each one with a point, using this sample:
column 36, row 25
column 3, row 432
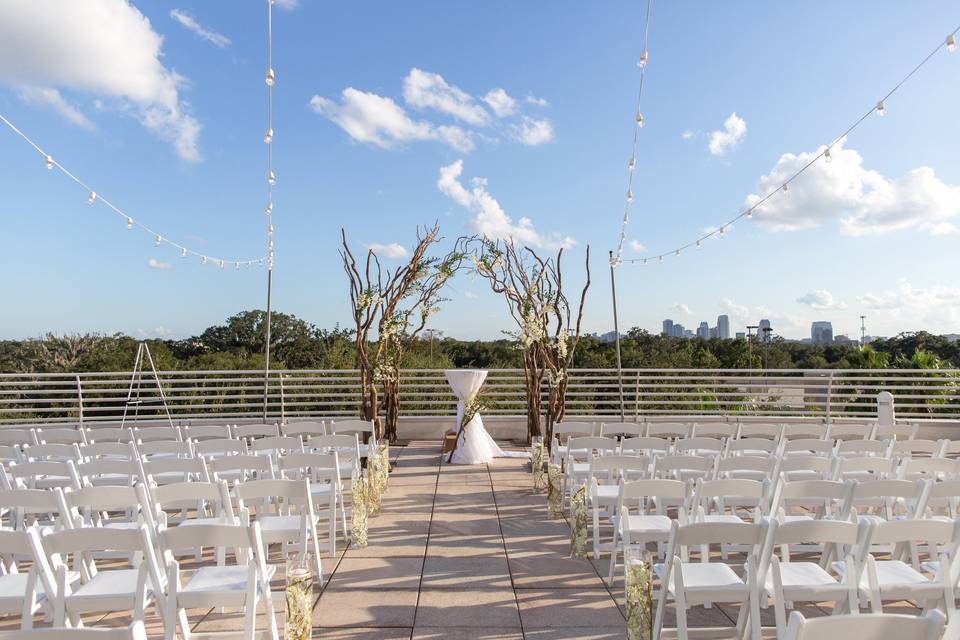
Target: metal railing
column 195, row 395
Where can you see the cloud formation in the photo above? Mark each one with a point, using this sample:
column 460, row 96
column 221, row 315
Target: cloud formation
column 190, row 23
column 534, row 131
column 682, row 309
column 637, row 246
column 153, row 263
column 52, row 98
column 105, row 48
column 862, row 200
column 821, row 299
column 726, row 139
column 490, row 220
column 500, row 102
column 391, row 250
column 371, row 118
column 426, row 90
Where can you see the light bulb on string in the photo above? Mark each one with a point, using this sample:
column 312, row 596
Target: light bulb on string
column 632, row 164
column 271, row 77
column 629, row 196
column 881, row 109
column 129, row 223
column 183, row 252
column 749, row 213
column 826, row 155
column 157, row 240
column 639, row 119
column 238, row 266
column 644, row 58
column 951, row 43
column 644, row 261
column 91, row 197
column 677, row 253
column 270, row 230
column 660, row 260
column 268, row 137
column 786, row 188
column 272, row 178
column 699, row 244
column 221, row 264
column 269, row 208
column 203, row 259
column 723, row 230
column 48, row 161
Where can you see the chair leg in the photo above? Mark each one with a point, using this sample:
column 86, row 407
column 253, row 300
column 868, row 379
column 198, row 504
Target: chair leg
column 756, row 632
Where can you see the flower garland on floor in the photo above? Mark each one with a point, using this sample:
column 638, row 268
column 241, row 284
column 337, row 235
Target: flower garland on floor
column 554, row 492
column 358, row 512
column 578, row 532
column 639, row 595
column 536, row 462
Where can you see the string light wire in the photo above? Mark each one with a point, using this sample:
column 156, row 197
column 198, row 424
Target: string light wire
column 824, row 153
column 632, row 164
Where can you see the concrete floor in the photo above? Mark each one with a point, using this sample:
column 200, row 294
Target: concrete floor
column 462, row 553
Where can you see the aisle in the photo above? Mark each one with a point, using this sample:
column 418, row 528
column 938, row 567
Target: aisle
column 465, row 552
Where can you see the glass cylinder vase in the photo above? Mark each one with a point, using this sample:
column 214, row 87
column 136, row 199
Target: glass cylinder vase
column 299, row 597
column 554, row 492
column 537, row 451
column 358, row 511
column 578, row 527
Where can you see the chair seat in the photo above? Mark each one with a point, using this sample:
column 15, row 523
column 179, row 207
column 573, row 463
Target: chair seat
column 107, row 590
column 13, row 588
column 797, row 517
column 647, row 524
column 712, row 577
column 607, row 492
column 896, row 574
column 218, row 586
column 281, row 528
column 723, row 517
column 801, row 575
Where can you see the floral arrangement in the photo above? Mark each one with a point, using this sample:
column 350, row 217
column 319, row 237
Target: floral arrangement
column 299, row 598
column 384, row 476
column 639, row 595
column 374, row 485
column 358, row 515
column 536, row 461
column 578, row 530
column 554, row 492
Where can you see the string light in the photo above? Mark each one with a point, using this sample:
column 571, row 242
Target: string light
column 203, row 259
column 271, row 178
column 271, row 78
column 660, row 259
column 92, row 195
column 268, row 137
column 269, row 208
column 157, row 240
column 878, row 107
column 183, row 252
column 221, row 264
column 632, row 164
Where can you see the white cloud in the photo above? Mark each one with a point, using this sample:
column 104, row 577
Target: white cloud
column 500, row 102
column 489, row 218
column 637, row 246
column 426, row 90
column 153, row 263
column 688, row 135
column 52, row 98
column 103, row 47
column 904, row 295
column 682, row 309
column 863, row 200
column 534, row 131
column 734, row 128
column 190, row 24
column 155, row 332
column 470, row 295
column 391, row 250
column 371, row 118
column 821, row 299
column 905, row 307
column 731, row 308
column 534, row 100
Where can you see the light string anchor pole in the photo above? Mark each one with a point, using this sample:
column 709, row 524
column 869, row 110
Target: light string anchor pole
column 271, row 179
column 616, row 334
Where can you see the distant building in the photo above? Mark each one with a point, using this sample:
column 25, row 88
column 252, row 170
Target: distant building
column 714, row 333
column 668, row 327
column 703, row 331
column 677, row 331
column 821, row 332
column 764, row 336
column 723, row 327
column 741, row 335
column 842, row 339
column 688, row 334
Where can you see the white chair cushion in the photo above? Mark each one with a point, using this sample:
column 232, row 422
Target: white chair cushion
column 800, row 574
column 210, row 586
column 704, row 576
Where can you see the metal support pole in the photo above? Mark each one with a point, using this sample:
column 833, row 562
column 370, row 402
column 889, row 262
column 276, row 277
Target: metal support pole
column 266, row 349
column 616, row 334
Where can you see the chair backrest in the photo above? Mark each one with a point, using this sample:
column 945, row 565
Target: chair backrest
column 698, row 445
column 669, row 429
column 32, row 501
column 798, row 467
column 877, row 467
column 572, row 429
column 719, row 430
column 108, row 471
column 247, row 466
column 681, row 467
column 17, row 437
column 61, row 435
column 901, row 431
column 207, row 432
column 52, row 451
column 841, row 532
column 363, row 428
column 153, row 434
column 318, row 467
column 51, row 472
column 648, row 445
column 171, row 470
column 252, row 431
column 115, row 450
column 579, row 447
column 931, row 468
column 808, row 446
column 658, row 493
column 16, row 546
column 708, row 533
column 277, row 445
column 89, row 506
column 610, row 468
column 914, row 447
column 304, row 429
column 932, row 531
column 734, row 490
column 199, row 499
column 167, row 448
column 869, row 626
column 803, row 431
column 623, row 429
column 848, row 431
column 863, row 447
column 109, row 434
column 275, row 496
column 888, row 491
column 734, row 466
column 221, row 447
column 766, row 430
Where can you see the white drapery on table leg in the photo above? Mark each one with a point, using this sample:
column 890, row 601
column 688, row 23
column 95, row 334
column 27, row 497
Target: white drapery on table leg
column 475, row 446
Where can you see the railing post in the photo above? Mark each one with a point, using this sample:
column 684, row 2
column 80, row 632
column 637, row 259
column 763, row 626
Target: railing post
column 829, row 395
column 79, row 401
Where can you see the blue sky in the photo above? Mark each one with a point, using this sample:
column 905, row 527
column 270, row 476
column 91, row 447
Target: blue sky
column 380, row 124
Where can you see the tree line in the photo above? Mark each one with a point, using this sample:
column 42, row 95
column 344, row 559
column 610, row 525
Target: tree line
column 238, row 343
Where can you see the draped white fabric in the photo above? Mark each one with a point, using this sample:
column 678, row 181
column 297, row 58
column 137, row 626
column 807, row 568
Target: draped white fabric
column 475, row 445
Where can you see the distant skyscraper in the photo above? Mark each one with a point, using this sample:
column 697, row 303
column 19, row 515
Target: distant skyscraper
column 764, row 335
column 668, row 327
column 677, row 330
column 723, row 327
column 821, row 332
column 703, row 331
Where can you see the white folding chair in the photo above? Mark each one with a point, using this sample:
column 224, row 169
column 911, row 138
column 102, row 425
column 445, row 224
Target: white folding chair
column 803, row 431
column 54, row 452
column 171, row 470
column 730, row 500
column 41, row 507
column 764, row 430
column 563, row 431
column 99, row 590
column 219, row 448
column 878, row 500
column 718, row 430
column 576, row 466
column 323, row 472
column 108, row 507
column 670, row 430
column 159, row 449
column 24, row 593
column 60, row 435
column 643, row 515
column 157, row 434
column 752, row 447
column 251, row 432
column 749, row 467
column 699, row 446
column 942, row 500
column 806, row 468
column 604, row 478
column 684, row 467
column 620, row 429
column 810, row 500
column 646, row 446
column 808, row 447
column 240, row 468
column 244, row 585
column 790, row 581
column 285, row 513
column 199, row 432
column 917, row 448
column 863, row 469
column 690, row 583
column 881, row 626
column 935, row 469
column 900, row 431
column 364, row 429
column 276, row 446
column 304, row 430
column 106, row 435
column 108, row 471
column 849, row 431
column 135, row 631
column 44, row 474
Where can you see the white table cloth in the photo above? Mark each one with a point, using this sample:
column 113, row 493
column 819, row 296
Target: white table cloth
column 475, row 446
